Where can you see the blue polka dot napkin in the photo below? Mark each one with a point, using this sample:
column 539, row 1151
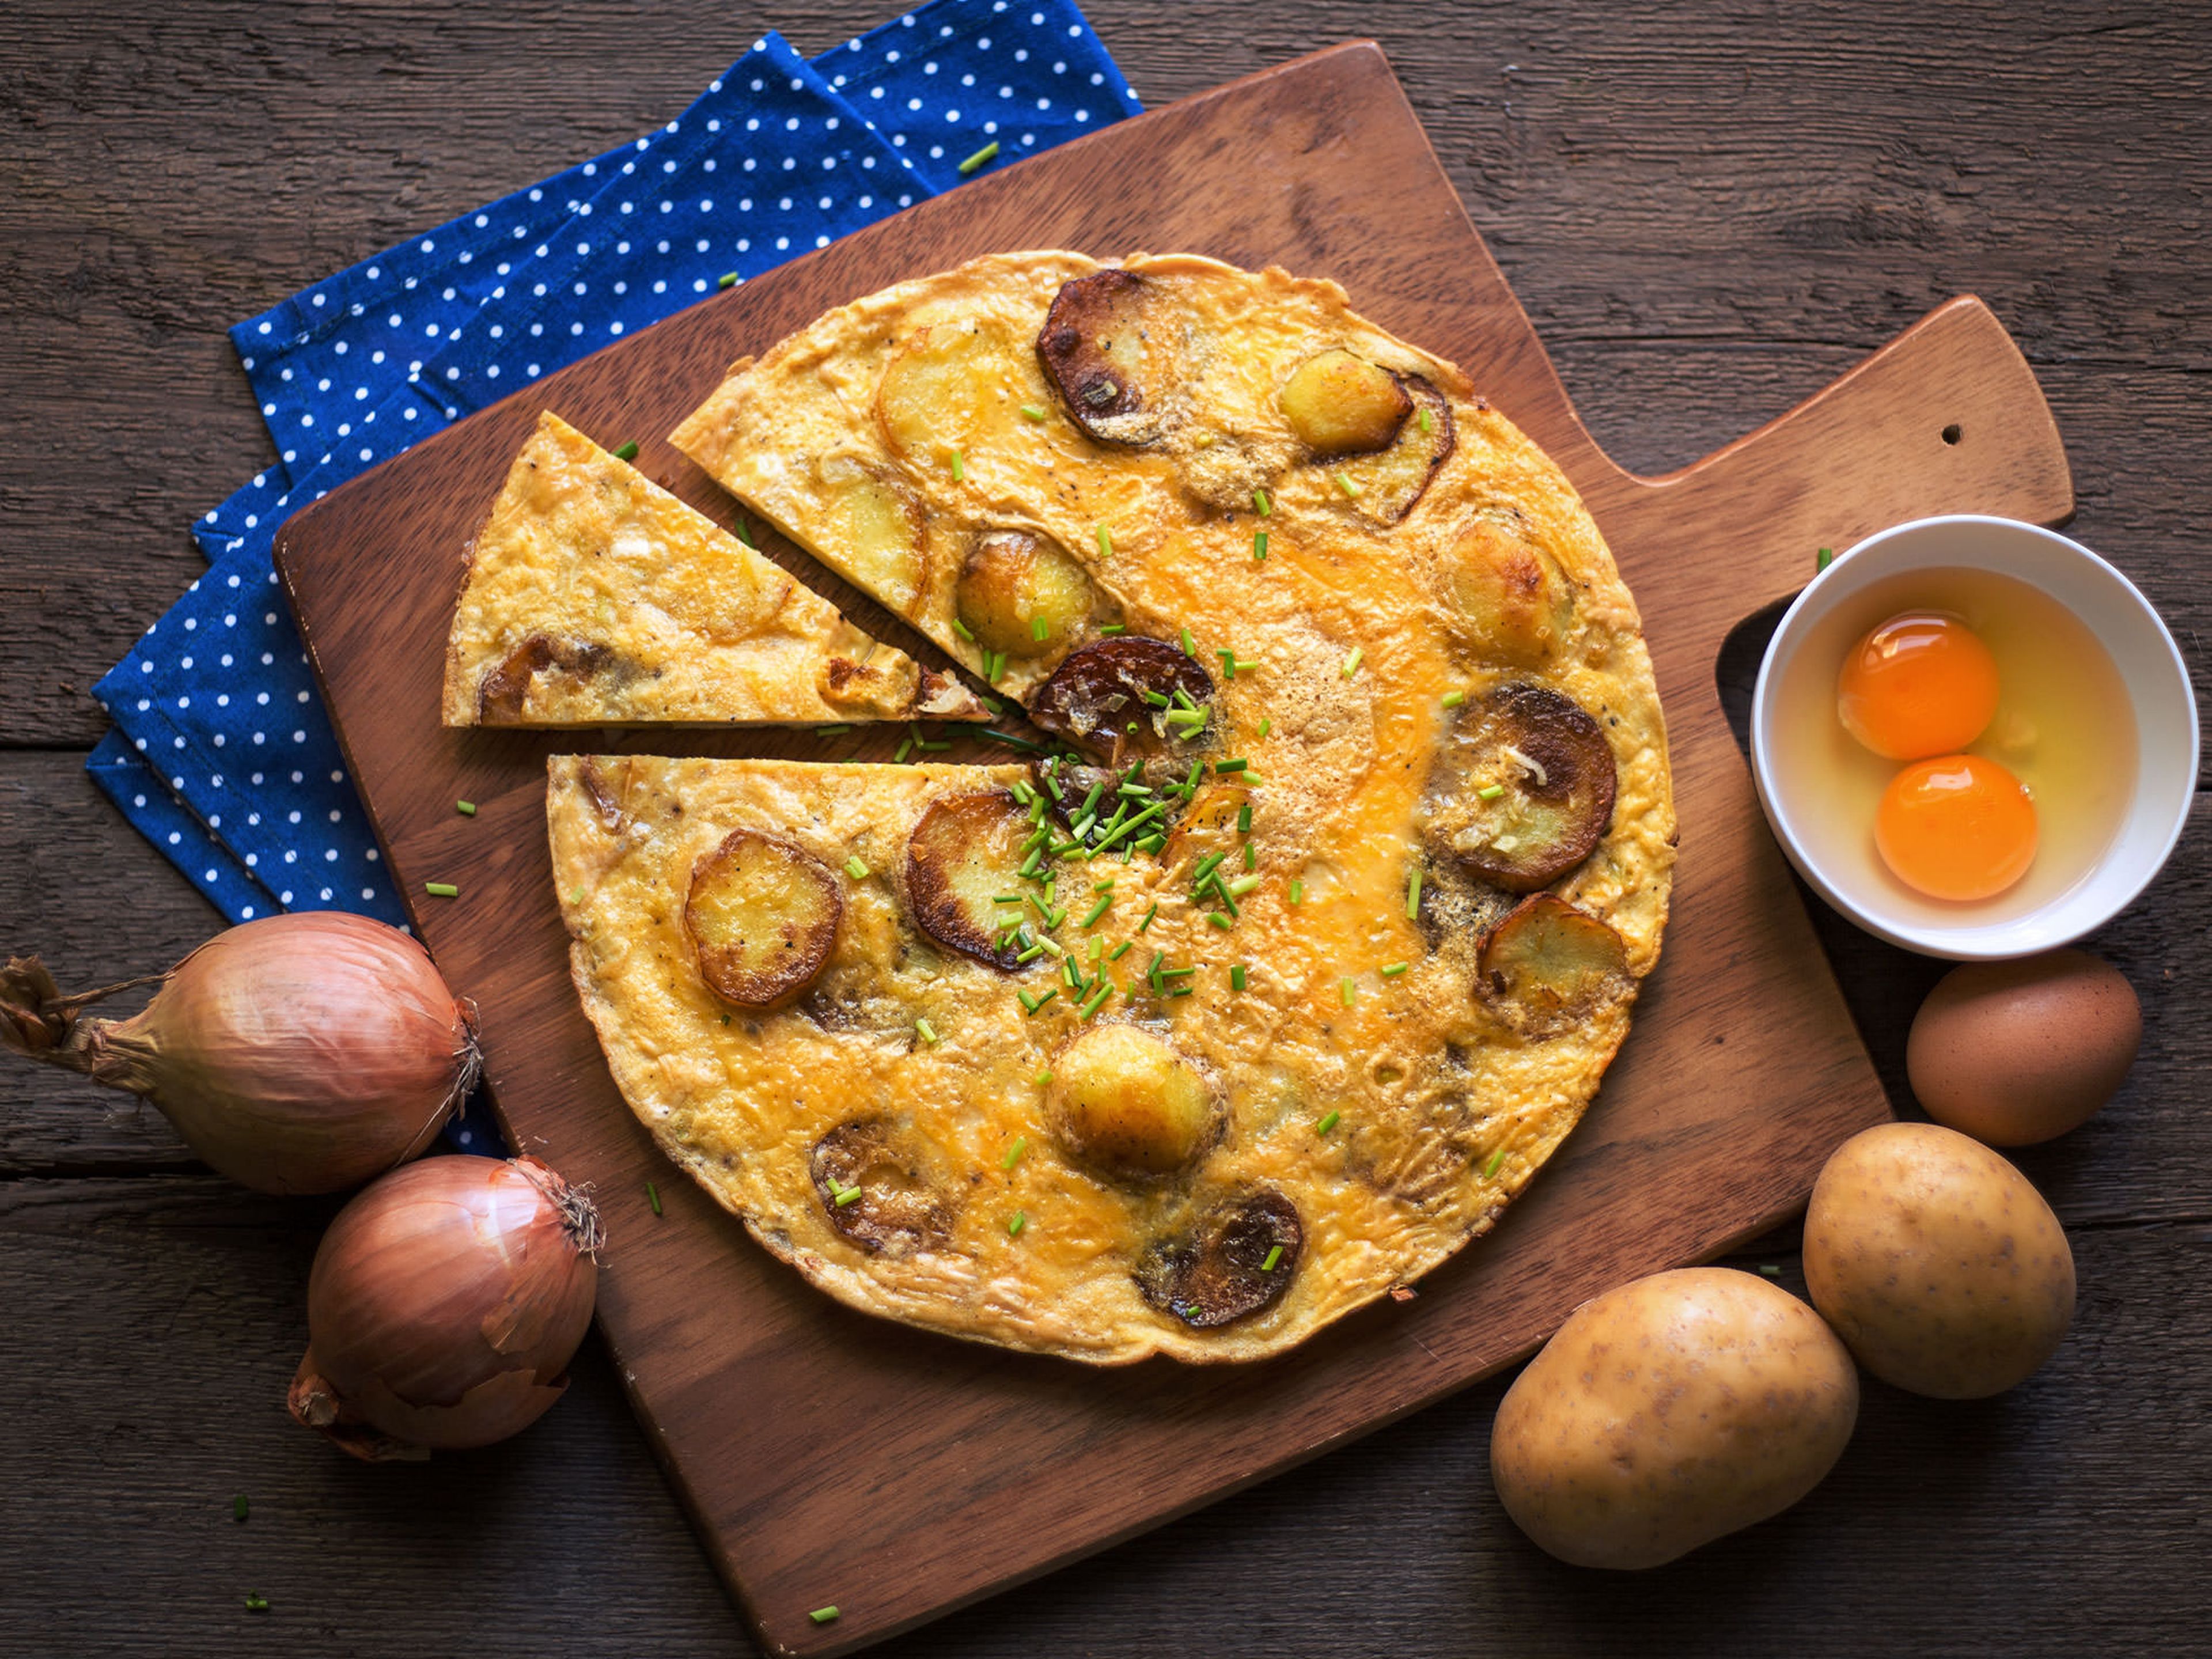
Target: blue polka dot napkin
column 222, row 754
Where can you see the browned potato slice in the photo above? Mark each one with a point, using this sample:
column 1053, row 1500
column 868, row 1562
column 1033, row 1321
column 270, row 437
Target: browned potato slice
column 1238, row 1257
column 873, row 530
column 1340, row 404
column 1097, row 694
column 1014, row 581
column 942, row 385
column 1390, row 483
column 1547, row 965
column 763, row 915
column 1551, row 773
column 879, row 1185
column 1107, row 356
column 502, row 694
column 1067, row 787
column 1124, row 1100
column 1512, row 592
column 966, row 849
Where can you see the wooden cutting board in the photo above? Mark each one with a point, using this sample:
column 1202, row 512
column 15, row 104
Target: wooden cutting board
column 829, row 1458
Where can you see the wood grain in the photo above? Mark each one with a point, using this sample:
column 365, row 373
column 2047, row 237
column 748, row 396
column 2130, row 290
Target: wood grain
column 1692, row 201
column 987, row 1468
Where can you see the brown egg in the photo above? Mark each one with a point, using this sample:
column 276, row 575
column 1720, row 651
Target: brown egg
column 2012, row 1053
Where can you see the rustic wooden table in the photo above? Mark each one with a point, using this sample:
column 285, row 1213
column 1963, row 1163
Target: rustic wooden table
column 1708, row 210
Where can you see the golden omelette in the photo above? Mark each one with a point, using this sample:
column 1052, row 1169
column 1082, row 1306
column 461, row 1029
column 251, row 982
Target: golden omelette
column 1309, row 943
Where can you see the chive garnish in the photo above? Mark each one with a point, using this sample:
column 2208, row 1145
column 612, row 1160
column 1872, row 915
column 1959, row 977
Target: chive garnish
column 1014, row 1152
column 1097, row 911
column 1219, row 921
column 1823, row 559
column 1043, row 1077
column 855, row 868
column 1245, row 819
column 1105, row 543
column 1453, row 699
column 961, row 629
column 850, row 1195
column 1352, row 662
column 927, row 1032
column 1120, row 951
column 744, row 533
column 627, row 452
column 1243, row 885
column 1328, row 1123
column 1491, row 1168
column 652, row 1198
column 1050, row 992
column 1097, row 999
column 1236, row 765
column 1297, row 892
column 1236, row 977
column 1391, row 970
column 905, row 748
column 238, row 1507
column 1428, row 420
column 1014, row 1227
column 1267, row 723
column 1261, row 504
column 728, row 279
column 1349, row 486
column 1028, row 1002
column 1490, row 792
column 823, row 1616
column 1112, row 630
column 1414, row 894
column 256, row 1602
column 1038, row 631
column 1251, row 858
column 1033, row 412
column 467, row 809
column 959, row 467
column 1275, row 1255
column 1344, row 989
column 1149, row 914
column 442, row 890
column 831, row 730
column 1259, row 547
column 990, row 154
column 1151, row 844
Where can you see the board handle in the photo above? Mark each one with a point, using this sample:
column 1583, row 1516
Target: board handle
column 1946, row 418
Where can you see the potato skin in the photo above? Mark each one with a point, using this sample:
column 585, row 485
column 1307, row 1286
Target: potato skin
column 1669, row 1413
column 1936, row 1260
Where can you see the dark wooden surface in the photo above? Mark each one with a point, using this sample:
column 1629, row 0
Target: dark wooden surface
column 1708, row 213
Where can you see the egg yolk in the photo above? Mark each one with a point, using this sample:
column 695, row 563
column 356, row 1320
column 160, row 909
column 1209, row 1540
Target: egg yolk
column 1920, row 684
column 1958, row 827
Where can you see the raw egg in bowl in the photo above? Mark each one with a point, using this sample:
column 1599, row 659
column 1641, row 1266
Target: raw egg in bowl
column 1974, row 738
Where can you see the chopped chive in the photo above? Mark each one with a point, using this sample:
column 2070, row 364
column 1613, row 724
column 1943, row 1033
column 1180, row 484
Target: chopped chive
column 1120, row 951
column 1352, row 662
column 1033, row 412
column 1152, row 843
column 850, row 1195
column 1206, row 866
column 1453, row 699
column 1189, row 645
column 1823, row 559
column 990, row 154
column 1236, row 977
column 1050, row 992
column 1344, row 990
column 1115, row 630
column 1275, row 1255
column 238, row 1507
column 1014, row 1152
column 467, row 809
column 905, row 748
column 1427, row 421
column 1228, row 663
column 442, row 890
column 855, row 868
column 1328, row 1123
column 932, row 743
column 728, row 279
column 997, row 668
column 1267, row 723
column 1176, row 972
column 927, row 1032
column 1414, row 894
column 959, row 467
column 1097, row 999
column 1008, row 898
column 1259, row 547
column 1219, row 921
column 1038, row 631
column 1043, row 1077
column 1028, row 1002
column 1014, row 1227
column 1261, row 504
column 256, row 1602
column 1297, row 892
column 1237, row 765
column 1393, row 969
column 1149, row 914
column 1245, row 819
column 1770, row 1269
column 745, row 534
column 652, row 1198
column 961, row 629
column 1105, row 543
column 831, row 730
column 1243, row 885
column 823, row 1616
column 627, row 452
column 1251, row 858
column 1490, row 792
column 1349, row 486
column 1097, row 911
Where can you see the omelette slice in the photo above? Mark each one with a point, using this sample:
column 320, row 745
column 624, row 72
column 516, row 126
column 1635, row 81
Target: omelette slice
column 596, row 597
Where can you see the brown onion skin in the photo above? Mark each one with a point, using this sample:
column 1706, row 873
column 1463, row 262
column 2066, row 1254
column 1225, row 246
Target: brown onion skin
column 444, row 1303
column 298, row 1053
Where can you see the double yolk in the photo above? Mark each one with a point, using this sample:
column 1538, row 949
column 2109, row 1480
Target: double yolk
column 1920, row 688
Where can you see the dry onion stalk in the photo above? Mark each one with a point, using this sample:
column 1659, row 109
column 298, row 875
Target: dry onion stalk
column 444, row 1306
column 297, row 1053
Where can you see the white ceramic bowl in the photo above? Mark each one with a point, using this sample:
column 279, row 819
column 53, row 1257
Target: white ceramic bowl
column 2150, row 669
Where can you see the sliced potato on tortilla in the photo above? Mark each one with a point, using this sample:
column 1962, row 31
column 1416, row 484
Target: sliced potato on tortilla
column 763, row 915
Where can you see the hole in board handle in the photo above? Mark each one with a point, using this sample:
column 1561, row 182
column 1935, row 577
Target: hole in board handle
column 1951, row 434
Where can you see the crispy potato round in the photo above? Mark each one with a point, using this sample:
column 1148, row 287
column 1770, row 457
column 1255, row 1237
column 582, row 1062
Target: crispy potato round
column 1105, row 354
column 1236, row 1256
column 1514, row 597
column 879, row 523
column 1020, row 592
column 1523, row 788
column 1669, row 1413
column 1939, row 1264
column 964, row 851
column 881, row 1188
column 1384, row 487
column 1340, row 404
column 1124, row 1100
column 1099, row 693
column 1547, row 966
column 763, row 915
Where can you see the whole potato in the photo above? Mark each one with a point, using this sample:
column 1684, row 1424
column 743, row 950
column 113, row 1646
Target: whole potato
column 1936, row 1260
column 1669, row 1413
